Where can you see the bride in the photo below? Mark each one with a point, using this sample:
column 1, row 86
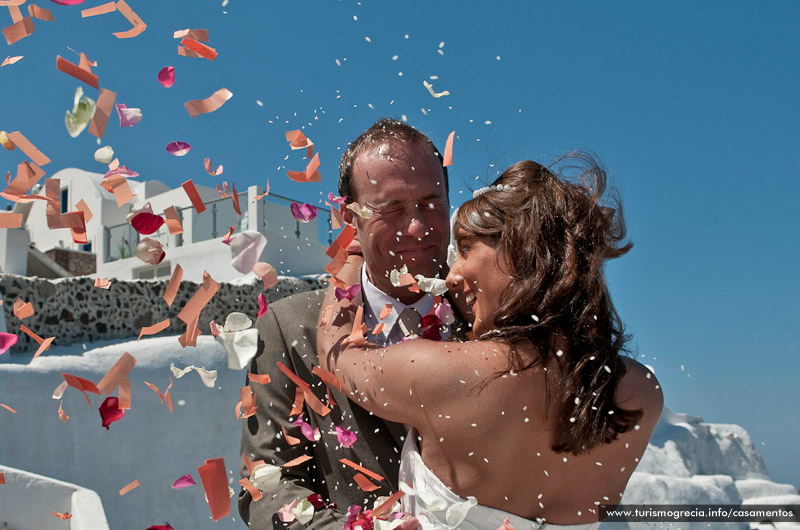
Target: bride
column 538, row 419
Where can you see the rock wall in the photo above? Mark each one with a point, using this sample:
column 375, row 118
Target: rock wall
column 74, row 310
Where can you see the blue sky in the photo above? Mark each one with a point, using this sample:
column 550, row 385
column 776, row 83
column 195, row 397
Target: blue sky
column 693, row 107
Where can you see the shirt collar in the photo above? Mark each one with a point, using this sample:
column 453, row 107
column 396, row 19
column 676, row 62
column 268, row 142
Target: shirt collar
column 376, row 299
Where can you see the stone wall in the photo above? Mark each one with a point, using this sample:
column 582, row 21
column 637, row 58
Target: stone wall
column 78, row 263
column 73, row 310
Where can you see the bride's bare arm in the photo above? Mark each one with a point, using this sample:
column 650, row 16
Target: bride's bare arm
column 403, row 382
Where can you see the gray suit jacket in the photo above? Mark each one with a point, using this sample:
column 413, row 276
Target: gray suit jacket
column 288, row 333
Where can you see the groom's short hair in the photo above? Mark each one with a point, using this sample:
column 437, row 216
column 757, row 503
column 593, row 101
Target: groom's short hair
column 384, row 130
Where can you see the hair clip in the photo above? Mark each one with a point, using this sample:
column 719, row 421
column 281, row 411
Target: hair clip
column 485, row 189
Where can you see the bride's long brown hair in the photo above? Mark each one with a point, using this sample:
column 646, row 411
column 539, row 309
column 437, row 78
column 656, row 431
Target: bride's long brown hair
column 555, row 234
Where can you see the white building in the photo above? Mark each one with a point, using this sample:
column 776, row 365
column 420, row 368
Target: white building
column 293, row 248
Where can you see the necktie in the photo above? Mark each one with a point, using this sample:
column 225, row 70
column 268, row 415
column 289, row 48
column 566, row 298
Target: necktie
column 409, row 322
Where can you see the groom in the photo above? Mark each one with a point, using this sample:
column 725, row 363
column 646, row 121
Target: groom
column 395, row 172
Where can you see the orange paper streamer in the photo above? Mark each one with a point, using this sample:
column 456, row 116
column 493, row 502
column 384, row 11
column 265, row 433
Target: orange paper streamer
column 370, row 474
column 235, row 195
column 105, row 103
column 291, row 440
column 28, row 148
column 173, row 221
column 132, row 486
column 215, row 483
column 203, row 106
column 261, row 379
column 201, row 49
column 61, row 414
column 22, row 310
column 40, row 12
column 173, row 285
column 191, row 310
column 155, row 328
column 117, row 373
column 386, row 311
column 448, row 150
column 138, row 25
column 8, row 408
column 118, row 185
column 65, row 515
column 102, row 9
column 19, row 30
column 125, row 394
column 254, row 492
column 342, row 241
column 196, row 34
column 299, row 399
column 84, row 385
column 83, row 207
column 77, row 72
column 311, row 173
column 191, row 191
column 364, row 483
column 102, row 283
column 297, row 461
column 10, row 220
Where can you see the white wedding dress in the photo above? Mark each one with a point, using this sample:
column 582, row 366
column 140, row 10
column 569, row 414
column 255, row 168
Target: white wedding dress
column 435, row 505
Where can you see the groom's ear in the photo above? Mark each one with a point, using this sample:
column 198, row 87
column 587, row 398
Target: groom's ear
column 348, row 217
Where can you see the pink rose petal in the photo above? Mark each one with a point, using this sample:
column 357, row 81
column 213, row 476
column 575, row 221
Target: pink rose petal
column 266, row 273
column 150, row 251
column 262, row 305
column 246, row 247
column 68, row 2
column 160, row 527
column 167, row 76
column 110, row 411
column 178, row 148
column 183, row 482
column 128, row 117
column 146, row 223
column 345, row 437
column 6, row 341
column 311, row 434
column 121, row 170
column 285, row 513
column 348, row 293
column 338, row 200
column 303, row 212
column 213, row 173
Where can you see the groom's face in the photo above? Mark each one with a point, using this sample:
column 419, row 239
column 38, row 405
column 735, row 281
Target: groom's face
column 402, row 183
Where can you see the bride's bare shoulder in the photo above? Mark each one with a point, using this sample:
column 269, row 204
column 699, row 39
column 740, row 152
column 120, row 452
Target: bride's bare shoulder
column 639, row 389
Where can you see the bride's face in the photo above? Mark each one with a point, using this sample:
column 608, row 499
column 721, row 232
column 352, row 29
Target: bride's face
column 481, row 274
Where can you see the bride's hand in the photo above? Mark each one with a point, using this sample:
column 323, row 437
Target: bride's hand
column 409, row 522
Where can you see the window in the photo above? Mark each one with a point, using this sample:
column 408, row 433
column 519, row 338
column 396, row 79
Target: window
column 162, row 270
column 64, row 200
column 87, row 247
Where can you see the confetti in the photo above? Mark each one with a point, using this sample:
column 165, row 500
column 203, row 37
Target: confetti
column 105, row 102
column 81, row 74
column 200, row 49
column 138, row 25
column 130, row 487
column 196, row 107
column 19, row 30
column 11, row 60
column 448, row 150
column 30, row 150
column 311, row 173
column 215, row 485
column 191, row 191
column 22, row 310
column 102, row 9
